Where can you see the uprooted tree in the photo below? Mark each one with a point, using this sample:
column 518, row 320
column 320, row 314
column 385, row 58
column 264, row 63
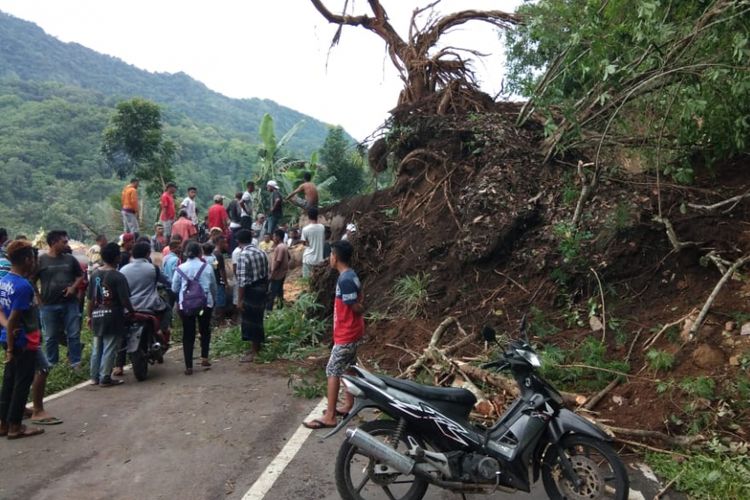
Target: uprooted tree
column 426, row 71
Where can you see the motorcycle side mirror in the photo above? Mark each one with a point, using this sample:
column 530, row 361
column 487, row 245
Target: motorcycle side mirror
column 524, row 332
column 488, row 333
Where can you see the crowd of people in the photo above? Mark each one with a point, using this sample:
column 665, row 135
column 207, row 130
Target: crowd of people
column 180, row 269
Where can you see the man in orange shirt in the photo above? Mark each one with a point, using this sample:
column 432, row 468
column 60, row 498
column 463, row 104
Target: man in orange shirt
column 130, row 207
column 184, row 227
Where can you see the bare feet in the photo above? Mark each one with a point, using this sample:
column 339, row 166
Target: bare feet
column 22, row 431
column 117, row 372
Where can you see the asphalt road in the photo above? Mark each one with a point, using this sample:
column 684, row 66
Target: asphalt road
column 208, row 436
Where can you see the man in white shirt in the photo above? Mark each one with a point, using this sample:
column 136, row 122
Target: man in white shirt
column 188, row 204
column 313, row 237
column 246, row 207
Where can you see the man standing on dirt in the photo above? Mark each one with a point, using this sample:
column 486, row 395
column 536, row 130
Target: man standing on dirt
column 252, row 287
column 309, row 190
column 167, row 214
column 188, row 205
column 246, row 207
column 277, row 211
column 279, row 268
column 313, row 237
column 60, row 275
column 130, row 207
column 348, row 330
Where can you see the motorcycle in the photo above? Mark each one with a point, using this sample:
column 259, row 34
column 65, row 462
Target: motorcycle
column 428, row 439
column 144, row 345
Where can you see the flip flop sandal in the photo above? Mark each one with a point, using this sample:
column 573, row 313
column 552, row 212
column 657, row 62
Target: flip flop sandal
column 318, row 424
column 339, row 413
column 26, row 432
column 47, row 421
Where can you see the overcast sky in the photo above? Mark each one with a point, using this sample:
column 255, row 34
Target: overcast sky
column 274, row 49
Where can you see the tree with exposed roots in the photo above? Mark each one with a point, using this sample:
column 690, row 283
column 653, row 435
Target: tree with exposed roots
column 437, row 81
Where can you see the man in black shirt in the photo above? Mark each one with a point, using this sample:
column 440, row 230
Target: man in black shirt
column 60, row 275
column 109, row 299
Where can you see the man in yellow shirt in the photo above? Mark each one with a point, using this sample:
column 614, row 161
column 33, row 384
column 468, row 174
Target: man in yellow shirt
column 130, row 207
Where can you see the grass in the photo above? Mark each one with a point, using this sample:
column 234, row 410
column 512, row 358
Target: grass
column 590, row 352
column 291, row 333
column 709, row 475
column 701, row 387
column 410, row 292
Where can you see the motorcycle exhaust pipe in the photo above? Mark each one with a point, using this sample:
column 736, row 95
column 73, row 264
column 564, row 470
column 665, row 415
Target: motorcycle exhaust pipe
column 373, row 448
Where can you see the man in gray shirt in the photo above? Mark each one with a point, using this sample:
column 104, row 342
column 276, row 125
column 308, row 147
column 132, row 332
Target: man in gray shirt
column 60, row 275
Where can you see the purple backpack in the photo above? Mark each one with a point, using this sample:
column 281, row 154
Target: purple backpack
column 194, row 299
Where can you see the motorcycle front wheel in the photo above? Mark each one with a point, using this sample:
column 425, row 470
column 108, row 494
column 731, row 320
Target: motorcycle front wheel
column 595, row 463
column 358, row 477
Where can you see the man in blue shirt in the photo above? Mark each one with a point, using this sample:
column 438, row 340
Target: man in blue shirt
column 21, row 338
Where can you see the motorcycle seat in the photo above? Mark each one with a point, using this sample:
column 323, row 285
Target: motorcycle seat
column 447, row 394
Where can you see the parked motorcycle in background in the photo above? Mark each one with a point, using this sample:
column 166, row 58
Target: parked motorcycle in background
column 144, row 345
column 428, row 440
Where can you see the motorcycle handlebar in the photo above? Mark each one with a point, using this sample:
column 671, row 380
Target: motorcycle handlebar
column 498, row 365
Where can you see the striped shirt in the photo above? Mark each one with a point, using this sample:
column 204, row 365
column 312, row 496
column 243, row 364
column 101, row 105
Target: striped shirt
column 252, row 265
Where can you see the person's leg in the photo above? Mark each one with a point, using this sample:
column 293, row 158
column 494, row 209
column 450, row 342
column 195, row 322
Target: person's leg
column 167, row 229
column 109, row 344
column 204, row 324
column 188, row 340
column 122, row 355
column 97, row 347
column 6, row 393
column 37, row 388
column 306, row 270
column 271, row 295
column 125, row 221
column 51, row 325
column 24, row 374
column 281, row 292
column 334, row 370
column 72, row 318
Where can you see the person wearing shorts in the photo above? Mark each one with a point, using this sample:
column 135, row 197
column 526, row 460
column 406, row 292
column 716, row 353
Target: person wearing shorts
column 348, row 330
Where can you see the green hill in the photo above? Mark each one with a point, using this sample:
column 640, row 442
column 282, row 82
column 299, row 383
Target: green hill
column 55, row 100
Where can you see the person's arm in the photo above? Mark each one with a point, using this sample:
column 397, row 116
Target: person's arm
column 296, row 191
column 123, row 290
column 71, row 290
column 90, row 305
column 351, row 295
column 13, row 322
column 176, row 282
column 212, row 286
column 3, row 319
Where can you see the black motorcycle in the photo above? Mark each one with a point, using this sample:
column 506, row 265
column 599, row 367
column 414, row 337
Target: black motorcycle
column 428, row 439
column 143, row 344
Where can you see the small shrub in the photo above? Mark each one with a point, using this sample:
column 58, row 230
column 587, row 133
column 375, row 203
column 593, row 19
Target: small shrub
column 659, row 361
column 539, row 325
column 410, row 292
column 701, row 387
column 711, row 475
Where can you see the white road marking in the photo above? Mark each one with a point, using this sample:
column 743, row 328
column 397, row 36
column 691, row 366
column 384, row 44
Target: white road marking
column 269, row 476
column 65, row 391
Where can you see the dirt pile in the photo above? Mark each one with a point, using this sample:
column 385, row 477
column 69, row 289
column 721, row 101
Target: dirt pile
column 476, row 211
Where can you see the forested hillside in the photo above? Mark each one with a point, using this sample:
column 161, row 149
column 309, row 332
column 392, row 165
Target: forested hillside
column 57, row 98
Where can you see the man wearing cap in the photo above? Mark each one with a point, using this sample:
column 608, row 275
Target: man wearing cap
column 218, row 216
column 276, row 212
column 167, row 215
column 130, row 207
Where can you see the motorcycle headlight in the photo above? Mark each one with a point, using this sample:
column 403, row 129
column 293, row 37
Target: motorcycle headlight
column 533, row 359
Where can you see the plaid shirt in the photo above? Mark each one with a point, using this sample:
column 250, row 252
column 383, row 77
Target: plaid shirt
column 252, row 265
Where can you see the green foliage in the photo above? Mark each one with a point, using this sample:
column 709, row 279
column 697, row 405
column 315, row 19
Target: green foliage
column 571, row 241
column 706, row 475
column 309, row 387
column 134, row 143
column 411, row 295
column 672, row 70
column 343, row 163
column 540, row 325
column 291, row 332
column 592, row 353
column 659, row 360
column 701, row 386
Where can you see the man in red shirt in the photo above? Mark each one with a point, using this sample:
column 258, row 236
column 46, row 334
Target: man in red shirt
column 348, row 330
column 218, row 216
column 184, row 227
column 166, row 217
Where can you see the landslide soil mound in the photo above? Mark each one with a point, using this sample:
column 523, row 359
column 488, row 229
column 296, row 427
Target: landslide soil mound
column 475, row 209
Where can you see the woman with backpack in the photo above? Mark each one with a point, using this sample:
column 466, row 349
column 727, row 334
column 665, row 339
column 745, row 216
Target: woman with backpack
column 195, row 286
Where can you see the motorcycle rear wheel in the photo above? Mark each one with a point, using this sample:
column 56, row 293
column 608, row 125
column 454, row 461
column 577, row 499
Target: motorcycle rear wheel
column 595, row 462
column 140, row 365
column 367, row 485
